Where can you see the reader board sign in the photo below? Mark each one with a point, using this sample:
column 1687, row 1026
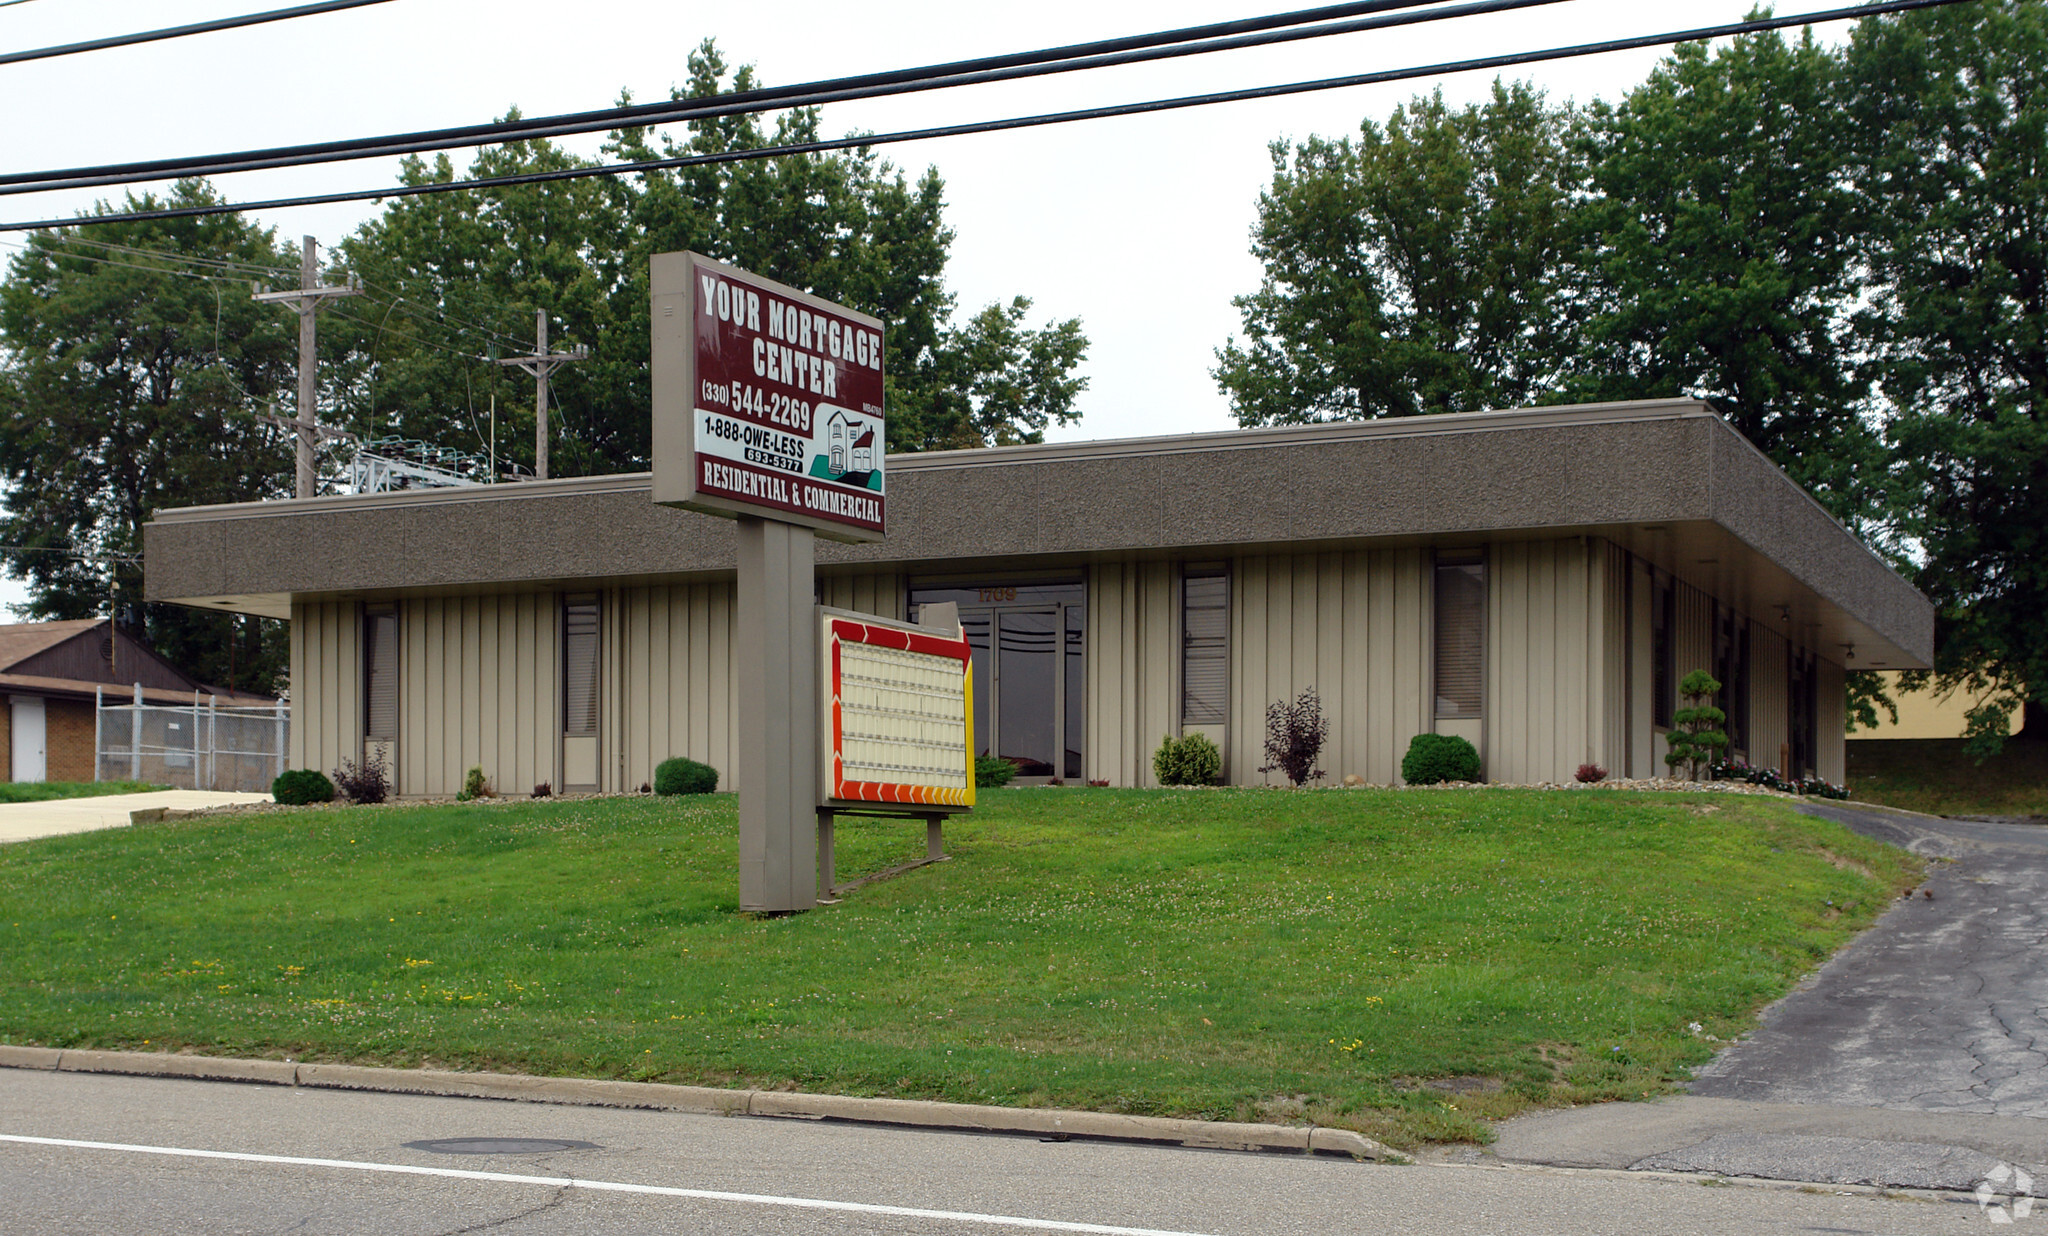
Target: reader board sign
column 767, row 401
column 898, row 713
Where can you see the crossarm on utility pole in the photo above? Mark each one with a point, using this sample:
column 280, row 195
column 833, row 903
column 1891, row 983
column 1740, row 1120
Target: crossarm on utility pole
column 540, row 363
column 307, row 300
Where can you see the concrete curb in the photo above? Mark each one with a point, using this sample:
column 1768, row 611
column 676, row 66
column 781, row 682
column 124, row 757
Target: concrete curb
column 704, row 1100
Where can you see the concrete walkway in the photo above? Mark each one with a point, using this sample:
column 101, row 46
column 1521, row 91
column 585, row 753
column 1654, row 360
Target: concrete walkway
column 27, row 821
column 1916, row 1058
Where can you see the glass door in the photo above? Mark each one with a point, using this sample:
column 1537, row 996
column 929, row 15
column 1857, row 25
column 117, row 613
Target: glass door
column 1028, row 642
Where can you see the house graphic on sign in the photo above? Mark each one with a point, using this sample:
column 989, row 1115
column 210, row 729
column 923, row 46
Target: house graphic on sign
column 850, row 443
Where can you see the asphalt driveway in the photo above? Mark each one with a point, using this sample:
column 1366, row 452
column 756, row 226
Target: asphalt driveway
column 1939, row 1008
column 1917, row 1057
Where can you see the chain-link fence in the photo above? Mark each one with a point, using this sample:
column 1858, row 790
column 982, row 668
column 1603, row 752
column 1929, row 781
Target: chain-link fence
column 196, row 746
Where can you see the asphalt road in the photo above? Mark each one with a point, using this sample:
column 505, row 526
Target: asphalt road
column 148, row 1155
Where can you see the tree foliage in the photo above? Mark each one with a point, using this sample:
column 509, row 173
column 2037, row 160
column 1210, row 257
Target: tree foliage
column 1415, row 269
column 1949, row 114
column 848, row 227
column 1716, row 259
column 130, row 383
column 1841, row 247
column 133, row 382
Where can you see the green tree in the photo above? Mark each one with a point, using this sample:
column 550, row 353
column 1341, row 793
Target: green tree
column 1696, row 738
column 454, row 278
column 1419, row 268
column 853, row 229
column 1949, row 109
column 131, row 382
column 452, row 281
column 1719, row 261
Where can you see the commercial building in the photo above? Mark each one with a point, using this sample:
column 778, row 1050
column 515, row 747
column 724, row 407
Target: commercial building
column 1535, row 580
column 52, row 673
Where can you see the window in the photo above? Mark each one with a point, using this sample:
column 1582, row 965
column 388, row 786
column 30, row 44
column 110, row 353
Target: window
column 579, row 665
column 1204, row 645
column 1662, row 605
column 380, row 673
column 1460, row 637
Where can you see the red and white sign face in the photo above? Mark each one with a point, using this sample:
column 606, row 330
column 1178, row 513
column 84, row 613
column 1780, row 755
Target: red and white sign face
column 898, row 712
column 784, row 398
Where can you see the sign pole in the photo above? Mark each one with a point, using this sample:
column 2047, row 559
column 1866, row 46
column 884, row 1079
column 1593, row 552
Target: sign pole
column 776, row 650
column 768, row 409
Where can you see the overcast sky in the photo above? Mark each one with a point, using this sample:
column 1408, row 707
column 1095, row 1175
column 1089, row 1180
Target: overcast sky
column 1137, row 226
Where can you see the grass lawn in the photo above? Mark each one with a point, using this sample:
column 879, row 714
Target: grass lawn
column 1936, row 776
column 1237, row 954
column 44, row 791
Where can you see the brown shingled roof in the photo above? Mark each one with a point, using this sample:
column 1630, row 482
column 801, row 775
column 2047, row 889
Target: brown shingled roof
column 21, row 640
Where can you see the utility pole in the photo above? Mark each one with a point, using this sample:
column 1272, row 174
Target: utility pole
column 308, row 299
column 540, row 363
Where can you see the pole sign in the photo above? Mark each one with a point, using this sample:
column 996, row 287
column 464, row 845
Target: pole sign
column 767, row 401
column 898, row 705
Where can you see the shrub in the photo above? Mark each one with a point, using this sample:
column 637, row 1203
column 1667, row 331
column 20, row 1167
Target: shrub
column 295, row 787
column 473, row 786
column 1189, row 760
column 1435, row 758
column 1822, row 789
column 367, row 782
column 992, row 770
column 1696, row 737
column 1294, row 737
column 1740, row 770
column 684, row 776
column 1590, row 773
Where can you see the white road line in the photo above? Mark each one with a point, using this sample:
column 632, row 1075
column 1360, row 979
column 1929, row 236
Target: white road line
column 610, row 1186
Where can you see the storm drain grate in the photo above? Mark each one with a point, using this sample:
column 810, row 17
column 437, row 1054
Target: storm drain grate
column 500, row 1145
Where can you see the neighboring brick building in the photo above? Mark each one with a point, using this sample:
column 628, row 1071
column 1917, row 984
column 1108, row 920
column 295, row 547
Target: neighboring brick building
column 50, row 673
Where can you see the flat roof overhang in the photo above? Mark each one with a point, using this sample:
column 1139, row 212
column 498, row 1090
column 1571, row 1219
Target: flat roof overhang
column 1669, row 481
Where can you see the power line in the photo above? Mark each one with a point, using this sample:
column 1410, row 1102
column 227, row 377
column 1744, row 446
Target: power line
column 178, row 32
column 379, row 294
column 1510, row 60
column 1193, row 40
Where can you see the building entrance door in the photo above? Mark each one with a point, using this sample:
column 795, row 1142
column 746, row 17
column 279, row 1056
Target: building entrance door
column 30, row 736
column 1029, row 673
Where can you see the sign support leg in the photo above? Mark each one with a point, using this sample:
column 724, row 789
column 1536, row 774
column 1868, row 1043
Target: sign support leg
column 777, row 654
column 934, row 842
column 828, row 874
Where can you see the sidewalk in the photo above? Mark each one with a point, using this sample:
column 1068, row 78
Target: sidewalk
column 27, row 821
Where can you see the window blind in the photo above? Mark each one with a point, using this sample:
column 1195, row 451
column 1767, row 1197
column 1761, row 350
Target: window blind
column 1460, row 639
column 380, row 675
column 1205, row 649
column 579, row 666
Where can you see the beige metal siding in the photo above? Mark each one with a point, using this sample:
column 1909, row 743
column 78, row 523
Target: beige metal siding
column 479, row 686
column 677, row 689
column 1132, row 660
column 881, row 595
column 327, row 684
column 1547, row 694
column 1831, row 722
column 1645, row 748
column 1353, row 625
column 1770, row 697
column 1613, row 654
